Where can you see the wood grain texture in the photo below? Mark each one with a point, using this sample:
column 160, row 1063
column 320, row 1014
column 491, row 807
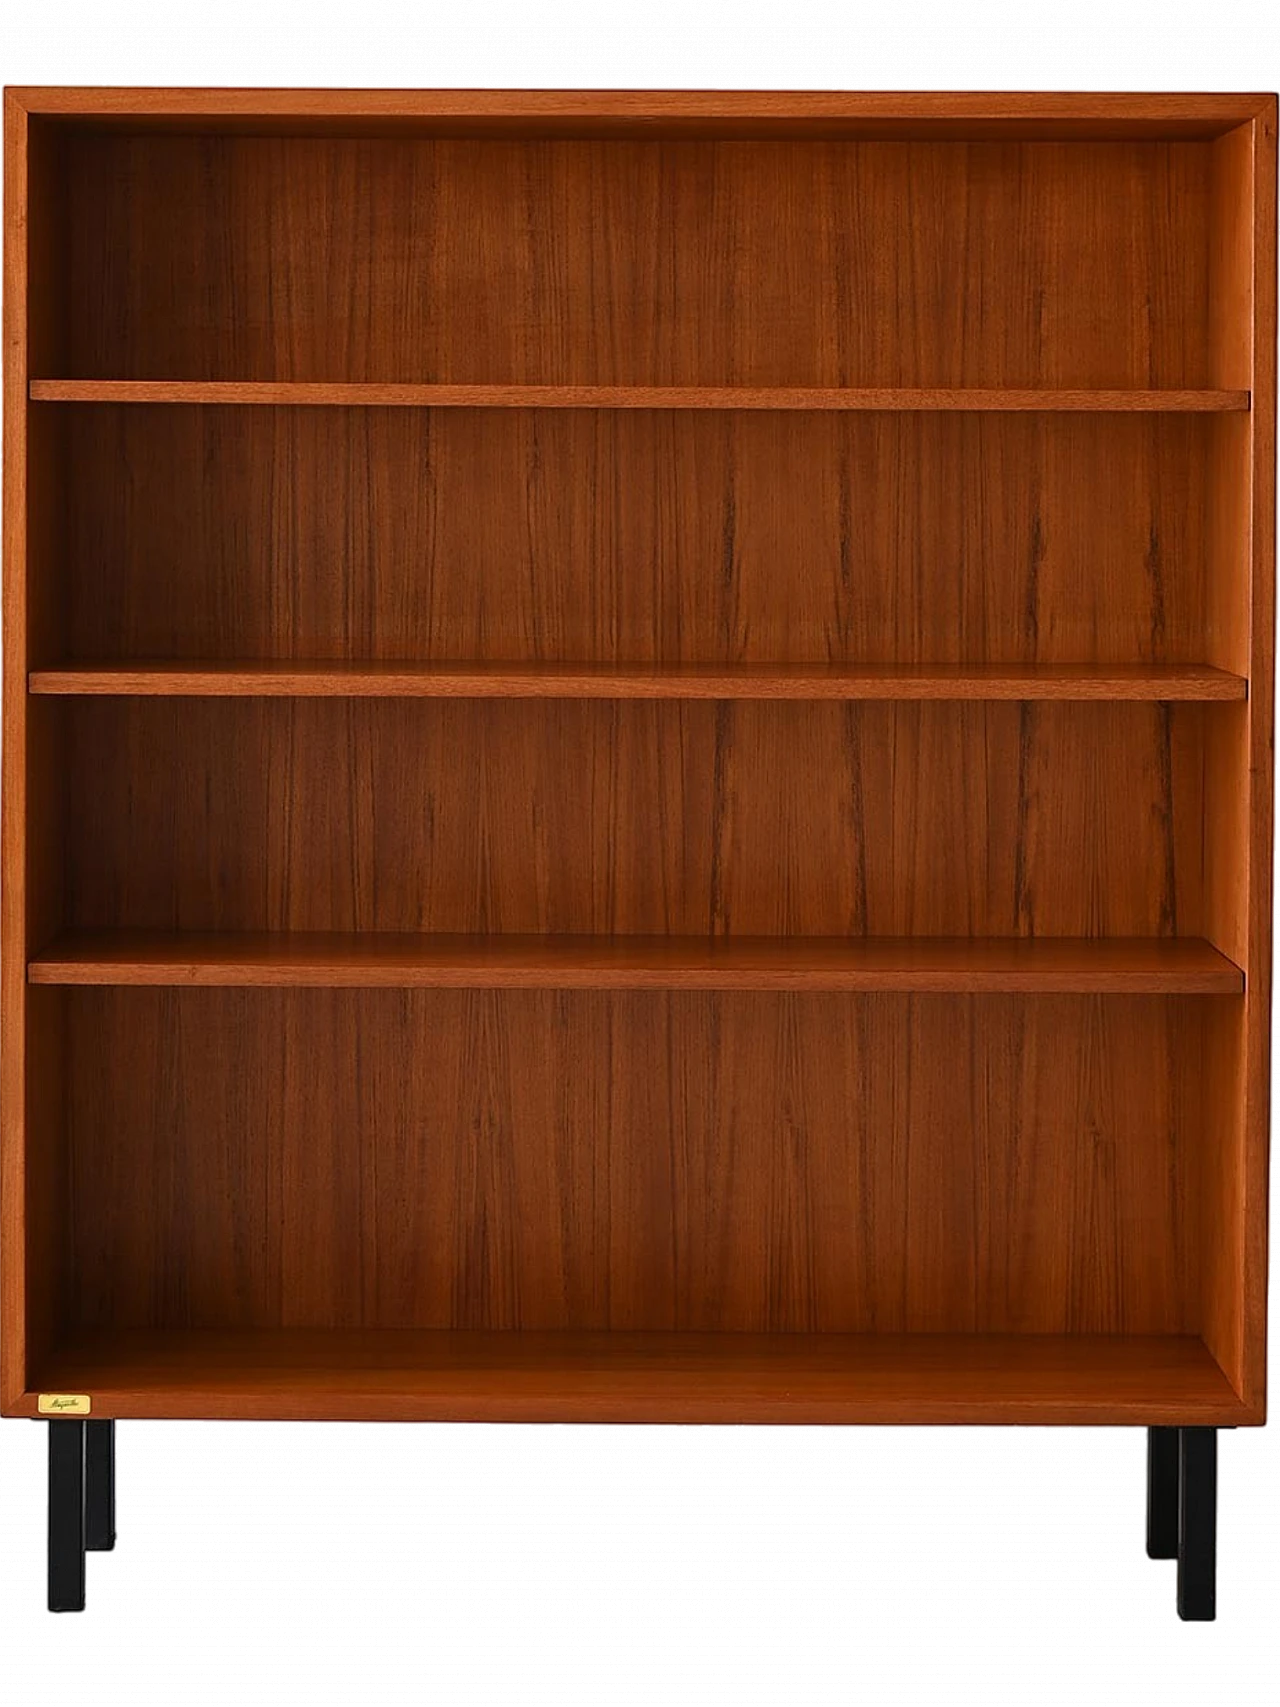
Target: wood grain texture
column 1238, row 1235
column 765, row 112
column 1231, row 238
column 615, row 1377
column 1231, row 244
column 14, row 1233
column 1239, row 764
column 1257, row 1102
column 1228, row 545
column 634, row 538
column 31, row 1077
column 45, row 1270
column 738, row 264
column 621, row 818
column 41, row 832
column 1223, row 1234
column 808, row 399
column 676, row 681
column 634, row 1161
column 1138, row 965
column 763, row 524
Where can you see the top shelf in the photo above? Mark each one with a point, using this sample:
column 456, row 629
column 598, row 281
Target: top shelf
column 652, row 113
column 273, row 392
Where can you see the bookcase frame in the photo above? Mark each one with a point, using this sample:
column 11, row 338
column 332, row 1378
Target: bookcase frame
column 637, row 763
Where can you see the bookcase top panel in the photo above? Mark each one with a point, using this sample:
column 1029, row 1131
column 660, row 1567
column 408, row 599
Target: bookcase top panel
column 569, row 112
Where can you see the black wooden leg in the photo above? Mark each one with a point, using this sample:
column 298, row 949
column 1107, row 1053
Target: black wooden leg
column 66, row 1515
column 1197, row 1523
column 1162, row 1493
column 100, row 1486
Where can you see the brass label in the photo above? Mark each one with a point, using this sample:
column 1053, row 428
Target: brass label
column 64, row 1404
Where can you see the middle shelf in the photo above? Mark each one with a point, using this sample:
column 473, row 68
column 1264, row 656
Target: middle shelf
column 808, row 398
column 928, row 965
column 477, row 680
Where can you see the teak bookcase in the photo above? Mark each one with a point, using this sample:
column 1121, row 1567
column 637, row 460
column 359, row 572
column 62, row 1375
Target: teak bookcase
column 637, row 766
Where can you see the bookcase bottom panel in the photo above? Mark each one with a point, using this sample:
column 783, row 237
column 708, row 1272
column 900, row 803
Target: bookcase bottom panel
column 631, row 1161
column 653, row 1377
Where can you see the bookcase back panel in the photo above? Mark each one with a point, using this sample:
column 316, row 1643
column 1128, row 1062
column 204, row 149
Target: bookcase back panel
column 650, row 536
column 635, row 262
column 732, row 817
column 531, row 1160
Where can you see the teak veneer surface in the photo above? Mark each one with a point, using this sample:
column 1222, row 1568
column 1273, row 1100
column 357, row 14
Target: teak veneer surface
column 638, row 755
column 1141, row 965
column 601, row 537
column 383, row 395
column 1239, row 799
column 660, row 112
column 623, row 1377
column 335, row 680
column 640, row 263
column 633, row 817
column 520, row 1159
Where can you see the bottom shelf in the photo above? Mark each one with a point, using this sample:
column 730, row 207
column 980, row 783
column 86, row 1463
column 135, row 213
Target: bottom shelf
column 442, row 1376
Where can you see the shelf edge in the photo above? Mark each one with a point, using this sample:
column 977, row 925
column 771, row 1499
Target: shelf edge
column 1193, row 684
column 915, row 399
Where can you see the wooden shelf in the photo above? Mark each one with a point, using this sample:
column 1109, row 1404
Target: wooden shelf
column 644, row 1377
column 649, row 114
column 466, row 680
column 962, row 965
column 387, row 395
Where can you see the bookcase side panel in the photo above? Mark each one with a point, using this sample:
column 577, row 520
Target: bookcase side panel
column 1239, row 752
column 34, row 831
column 13, row 889
column 1262, row 762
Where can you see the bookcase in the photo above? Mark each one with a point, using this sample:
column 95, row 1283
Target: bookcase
column 638, row 765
